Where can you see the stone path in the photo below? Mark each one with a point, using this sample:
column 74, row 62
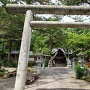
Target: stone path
column 58, row 78
column 7, row 84
column 53, row 78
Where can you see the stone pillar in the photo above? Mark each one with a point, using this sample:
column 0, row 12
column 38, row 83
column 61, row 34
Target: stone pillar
column 73, row 63
column 39, row 62
column 44, row 62
column 50, row 62
column 24, row 53
column 68, row 62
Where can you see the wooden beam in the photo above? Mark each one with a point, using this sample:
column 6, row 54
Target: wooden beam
column 48, row 9
column 57, row 24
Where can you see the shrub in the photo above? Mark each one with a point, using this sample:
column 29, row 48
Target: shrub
column 2, row 71
column 86, row 78
column 31, row 63
column 13, row 64
column 80, row 71
column 4, row 62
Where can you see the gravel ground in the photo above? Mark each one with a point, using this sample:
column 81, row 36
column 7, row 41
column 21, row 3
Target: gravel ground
column 53, row 78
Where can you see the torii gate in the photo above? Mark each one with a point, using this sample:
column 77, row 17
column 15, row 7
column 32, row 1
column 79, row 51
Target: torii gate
column 26, row 37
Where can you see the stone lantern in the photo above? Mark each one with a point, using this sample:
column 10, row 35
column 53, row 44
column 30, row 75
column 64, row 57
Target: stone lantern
column 39, row 62
column 81, row 58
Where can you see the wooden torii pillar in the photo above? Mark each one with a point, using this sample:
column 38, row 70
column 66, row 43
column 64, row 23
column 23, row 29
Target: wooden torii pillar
column 26, row 38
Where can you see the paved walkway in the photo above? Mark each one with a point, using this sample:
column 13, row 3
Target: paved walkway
column 53, row 78
column 58, row 78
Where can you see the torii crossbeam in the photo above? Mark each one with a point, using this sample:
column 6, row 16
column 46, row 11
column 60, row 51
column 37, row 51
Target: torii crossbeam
column 26, row 38
column 49, row 9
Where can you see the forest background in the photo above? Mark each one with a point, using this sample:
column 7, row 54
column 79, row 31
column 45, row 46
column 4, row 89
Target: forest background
column 44, row 39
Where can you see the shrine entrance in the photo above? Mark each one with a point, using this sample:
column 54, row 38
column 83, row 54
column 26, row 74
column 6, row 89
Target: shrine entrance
column 29, row 24
column 59, row 58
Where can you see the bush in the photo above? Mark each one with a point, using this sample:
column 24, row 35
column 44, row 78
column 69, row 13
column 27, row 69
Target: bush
column 80, row 71
column 12, row 63
column 86, row 78
column 2, row 71
column 31, row 63
column 4, row 62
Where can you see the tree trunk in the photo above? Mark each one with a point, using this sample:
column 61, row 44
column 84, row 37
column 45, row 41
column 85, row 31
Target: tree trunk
column 0, row 61
column 51, row 42
column 10, row 49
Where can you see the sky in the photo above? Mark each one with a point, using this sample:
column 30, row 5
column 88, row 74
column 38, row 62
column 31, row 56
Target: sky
column 67, row 19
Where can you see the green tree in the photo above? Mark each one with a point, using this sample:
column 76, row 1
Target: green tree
column 11, row 27
column 46, row 38
column 75, row 2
